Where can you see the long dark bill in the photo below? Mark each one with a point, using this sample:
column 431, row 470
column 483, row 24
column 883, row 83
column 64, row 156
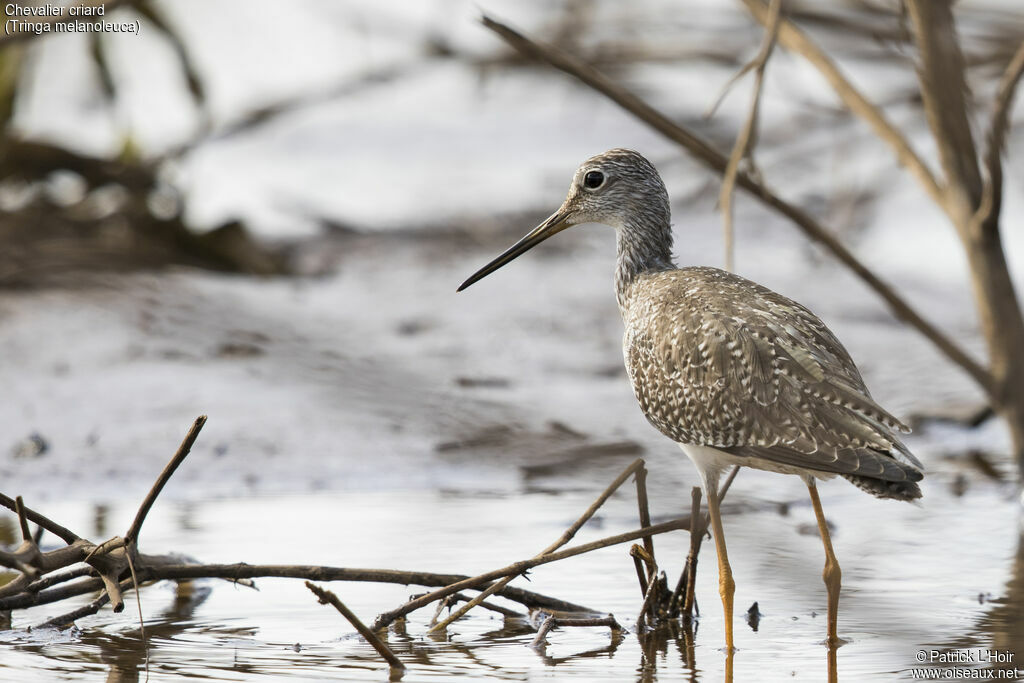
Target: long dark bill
column 555, row 223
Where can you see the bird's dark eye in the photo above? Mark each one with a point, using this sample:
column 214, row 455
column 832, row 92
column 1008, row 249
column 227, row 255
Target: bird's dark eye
column 593, row 180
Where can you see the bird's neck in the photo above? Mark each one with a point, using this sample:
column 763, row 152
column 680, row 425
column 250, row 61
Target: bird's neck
column 642, row 248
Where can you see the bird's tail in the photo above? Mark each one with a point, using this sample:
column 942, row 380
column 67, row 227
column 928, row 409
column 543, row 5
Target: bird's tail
column 897, row 490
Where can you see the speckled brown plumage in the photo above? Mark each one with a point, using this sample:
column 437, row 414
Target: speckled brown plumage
column 717, row 360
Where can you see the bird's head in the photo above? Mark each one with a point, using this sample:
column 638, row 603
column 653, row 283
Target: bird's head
column 618, row 188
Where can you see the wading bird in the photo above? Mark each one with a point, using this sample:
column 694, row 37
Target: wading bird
column 733, row 372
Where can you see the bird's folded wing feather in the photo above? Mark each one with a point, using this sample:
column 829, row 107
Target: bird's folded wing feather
column 721, row 361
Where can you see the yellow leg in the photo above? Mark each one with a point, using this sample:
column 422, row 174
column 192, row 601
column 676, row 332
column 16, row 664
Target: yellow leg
column 832, row 573
column 726, row 585
column 833, row 667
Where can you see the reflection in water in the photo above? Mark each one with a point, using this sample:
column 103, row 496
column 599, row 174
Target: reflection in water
column 9, row 535
column 1001, row 628
column 99, row 520
column 125, row 653
column 617, row 636
column 656, row 642
column 215, row 631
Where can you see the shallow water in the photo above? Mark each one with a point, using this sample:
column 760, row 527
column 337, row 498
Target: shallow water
column 469, row 435
column 944, row 576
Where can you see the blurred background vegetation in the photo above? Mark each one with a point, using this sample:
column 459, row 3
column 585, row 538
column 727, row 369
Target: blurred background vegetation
column 221, row 138
column 102, row 186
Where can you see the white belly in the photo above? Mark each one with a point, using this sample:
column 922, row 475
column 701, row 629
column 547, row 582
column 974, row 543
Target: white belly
column 710, row 462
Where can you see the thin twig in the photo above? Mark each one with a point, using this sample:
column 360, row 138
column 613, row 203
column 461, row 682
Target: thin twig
column 487, row 605
column 714, row 160
column 728, row 482
column 727, row 88
column 944, row 94
column 690, row 571
column 991, row 203
column 688, row 577
column 641, row 574
column 26, row 535
column 645, row 554
column 745, row 140
column 327, row 597
column 138, row 603
column 795, row 40
column 519, row 567
column 53, row 579
column 643, row 508
column 29, row 559
column 552, row 621
column 647, row 609
column 109, row 569
column 155, row 568
column 57, row 530
column 542, row 632
column 83, row 611
column 441, row 604
column 608, row 621
column 179, row 457
column 637, row 466
column 648, row 581
column 105, row 548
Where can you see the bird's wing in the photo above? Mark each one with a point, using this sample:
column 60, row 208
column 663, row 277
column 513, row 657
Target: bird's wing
column 721, row 361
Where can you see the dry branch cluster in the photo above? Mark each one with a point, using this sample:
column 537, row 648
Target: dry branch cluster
column 116, row 566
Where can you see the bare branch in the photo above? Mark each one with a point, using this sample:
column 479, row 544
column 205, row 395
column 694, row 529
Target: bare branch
column 987, row 214
column 643, row 508
column 647, row 552
column 637, row 467
column 542, row 632
column 55, row 578
column 524, row 565
column 183, row 450
column 61, row 532
column 551, row 621
column 109, row 567
column 105, row 548
column 154, row 568
column 28, row 557
column 945, row 96
column 795, row 40
column 944, row 92
column 138, row 604
column 462, row 597
column 109, row 559
column 647, row 608
column 711, row 158
column 83, row 611
column 327, row 597
column 684, row 598
column 745, row 140
column 26, row 535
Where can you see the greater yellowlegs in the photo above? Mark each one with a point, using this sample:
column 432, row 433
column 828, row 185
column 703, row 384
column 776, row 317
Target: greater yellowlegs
column 731, row 371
